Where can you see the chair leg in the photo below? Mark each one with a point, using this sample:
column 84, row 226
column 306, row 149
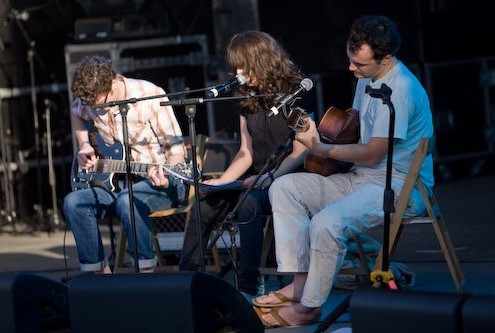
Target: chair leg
column 449, row 253
column 112, row 256
column 443, row 237
column 267, row 241
column 158, row 251
column 362, row 256
column 121, row 247
column 394, row 234
column 120, row 251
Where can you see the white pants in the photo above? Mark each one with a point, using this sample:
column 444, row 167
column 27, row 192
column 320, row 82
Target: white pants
column 313, row 216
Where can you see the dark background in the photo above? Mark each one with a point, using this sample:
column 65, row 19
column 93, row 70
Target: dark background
column 448, row 44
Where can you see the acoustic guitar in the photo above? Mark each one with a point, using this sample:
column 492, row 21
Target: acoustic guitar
column 336, row 127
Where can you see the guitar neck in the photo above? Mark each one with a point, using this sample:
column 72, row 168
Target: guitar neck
column 119, row 166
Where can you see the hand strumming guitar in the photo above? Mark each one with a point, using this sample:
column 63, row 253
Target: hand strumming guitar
column 310, row 137
column 86, row 156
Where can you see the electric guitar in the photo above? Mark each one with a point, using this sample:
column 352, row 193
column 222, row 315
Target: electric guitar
column 111, row 167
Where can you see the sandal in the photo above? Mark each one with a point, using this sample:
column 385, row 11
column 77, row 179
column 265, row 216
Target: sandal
column 274, row 312
column 281, row 322
column 284, row 301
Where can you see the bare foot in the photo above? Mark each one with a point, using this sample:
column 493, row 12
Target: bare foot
column 106, row 270
column 284, row 297
column 294, row 315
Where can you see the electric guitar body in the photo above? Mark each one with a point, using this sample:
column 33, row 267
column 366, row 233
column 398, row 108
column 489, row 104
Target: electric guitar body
column 111, row 167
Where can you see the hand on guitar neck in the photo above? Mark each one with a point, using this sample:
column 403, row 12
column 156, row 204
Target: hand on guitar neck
column 110, row 164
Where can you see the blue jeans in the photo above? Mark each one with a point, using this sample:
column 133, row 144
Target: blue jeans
column 249, row 219
column 83, row 208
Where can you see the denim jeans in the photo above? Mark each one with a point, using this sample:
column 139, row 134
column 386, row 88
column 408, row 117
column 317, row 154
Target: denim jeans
column 249, row 219
column 83, row 208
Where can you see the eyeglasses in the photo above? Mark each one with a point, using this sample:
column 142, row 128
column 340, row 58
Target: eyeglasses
column 86, row 103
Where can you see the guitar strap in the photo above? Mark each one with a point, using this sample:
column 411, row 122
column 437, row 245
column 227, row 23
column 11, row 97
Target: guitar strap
column 156, row 136
column 100, row 184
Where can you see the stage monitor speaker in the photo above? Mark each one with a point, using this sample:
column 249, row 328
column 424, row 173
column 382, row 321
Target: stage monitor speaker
column 32, row 303
column 478, row 314
column 377, row 310
column 159, row 302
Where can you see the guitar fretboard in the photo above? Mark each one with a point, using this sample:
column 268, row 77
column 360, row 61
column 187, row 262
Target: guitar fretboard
column 119, row 166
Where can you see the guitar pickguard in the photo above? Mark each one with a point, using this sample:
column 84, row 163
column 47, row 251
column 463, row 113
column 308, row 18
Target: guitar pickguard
column 81, row 179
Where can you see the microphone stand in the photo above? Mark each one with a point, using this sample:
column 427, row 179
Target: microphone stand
column 123, row 108
column 31, row 54
column 190, row 111
column 383, row 277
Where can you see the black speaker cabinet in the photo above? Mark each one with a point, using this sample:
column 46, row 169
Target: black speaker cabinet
column 159, row 302
column 377, row 310
column 459, row 111
column 478, row 314
column 32, row 303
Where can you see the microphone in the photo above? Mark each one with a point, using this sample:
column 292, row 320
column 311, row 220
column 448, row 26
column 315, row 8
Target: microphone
column 239, row 79
column 18, row 15
column 50, row 104
column 382, row 92
column 306, row 84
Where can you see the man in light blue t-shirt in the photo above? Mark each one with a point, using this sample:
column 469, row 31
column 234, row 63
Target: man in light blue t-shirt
column 314, row 215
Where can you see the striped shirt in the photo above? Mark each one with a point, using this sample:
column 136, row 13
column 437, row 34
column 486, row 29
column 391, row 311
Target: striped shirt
column 154, row 132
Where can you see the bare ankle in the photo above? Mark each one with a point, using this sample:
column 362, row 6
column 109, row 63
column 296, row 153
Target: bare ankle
column 105, row 270
column 147, row 270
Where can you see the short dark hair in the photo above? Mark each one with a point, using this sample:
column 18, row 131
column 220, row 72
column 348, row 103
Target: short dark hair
column 379, row 32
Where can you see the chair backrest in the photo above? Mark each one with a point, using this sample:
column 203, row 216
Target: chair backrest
column 432, row 215
column 425, row 147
